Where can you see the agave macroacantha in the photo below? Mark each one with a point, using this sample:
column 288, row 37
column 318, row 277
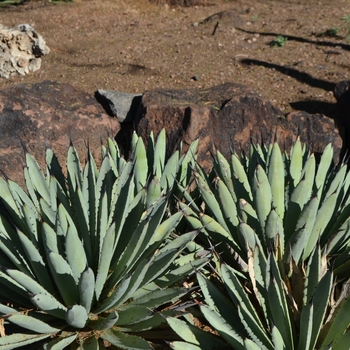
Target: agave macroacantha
column 88, row 257
column 281, row 223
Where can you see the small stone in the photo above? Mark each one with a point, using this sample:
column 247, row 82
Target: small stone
column 22, row 62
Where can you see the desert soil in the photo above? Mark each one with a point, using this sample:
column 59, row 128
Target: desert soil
column 135, row 45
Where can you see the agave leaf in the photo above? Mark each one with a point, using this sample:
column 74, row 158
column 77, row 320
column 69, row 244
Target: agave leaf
column 187, row 164
column 337, row 181
column 313, row 274
column 132, row 314
column 12, row 290
column 55, row 170
column 125, row 341
column 223, row 170
column 75, row 252
column 248, row 237
column 4, row 309
column 242, row 186
column 31, row 323
column 102, row 218
column 165, row 228
column 141, row 167
column 228, row 205
column 256, row 269
column 121, row 196
column 339, row 238
column 87, row 288
column 168, row 176
column 76, row 316
column 26, row 281
column 172, row 277
column 156, row 320
column 179, row 345
column 323, row 217
column 134, row 221
column 50, row 237
column 153, row 190
column 216, row 231
column 209, row 198
column 300, row 196
column 91, row 343
column 296, row 162
column 248, row 214
column 338, row 324
column 157, row 297
column 320, row 303
column 36, row 262
column 254, row 329
column 126, row 288
column 304, row 226
column 64, row 278
column 82, row 224
column 140, row 238
column 262, row 195
column 16, row 257
column 113, row 152
column 89, row 197
column 105, row 260
column 37, row 178
column 342, row 342
column 216, row 300
column 8, row 199
column 323, row 168
column 223, row 327
column 74, row 171
column 47, row 303
column 246, row 310
column 276, row 179
column 250, row 345
column 166, row 255
column 274, row 232
column 103, row 323
column 277, row 302
column 194, row 335
column 159, row 154
column 60, row 343
column 47, row 211
column 306, row 325
column 13, row 341
column 277, row 338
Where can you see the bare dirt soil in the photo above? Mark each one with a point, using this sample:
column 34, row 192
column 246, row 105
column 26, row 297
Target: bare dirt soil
column 135, row 45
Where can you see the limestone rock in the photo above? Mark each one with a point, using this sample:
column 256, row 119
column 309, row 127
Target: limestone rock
column 228, row 117
column 21, row 48
column 49, row 112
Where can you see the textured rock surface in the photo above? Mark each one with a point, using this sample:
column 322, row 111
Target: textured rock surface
column 227, row 117
column 51, row 112
column 119, row 104
column 21, row 48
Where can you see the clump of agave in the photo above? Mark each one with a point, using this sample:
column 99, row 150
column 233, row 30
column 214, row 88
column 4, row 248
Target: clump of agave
column 87, row 258
column 281, row 226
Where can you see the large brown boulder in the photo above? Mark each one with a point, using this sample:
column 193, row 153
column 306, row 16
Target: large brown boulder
column 49, row 112
column 228, row 117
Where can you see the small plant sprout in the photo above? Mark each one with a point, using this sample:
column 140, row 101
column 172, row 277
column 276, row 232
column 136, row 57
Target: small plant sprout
column 280, row 41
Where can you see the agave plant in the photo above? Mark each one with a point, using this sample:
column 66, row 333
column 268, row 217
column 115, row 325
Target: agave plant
column 279, row 222
column 87, row 258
